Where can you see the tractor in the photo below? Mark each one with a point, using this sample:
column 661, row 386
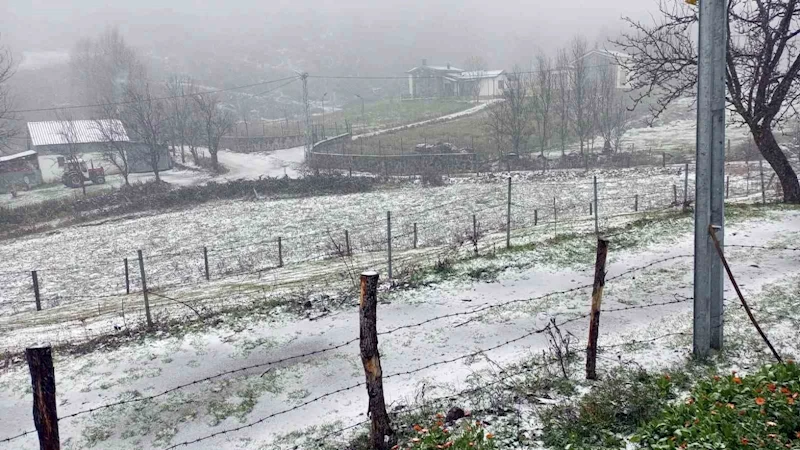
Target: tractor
column 77, row 173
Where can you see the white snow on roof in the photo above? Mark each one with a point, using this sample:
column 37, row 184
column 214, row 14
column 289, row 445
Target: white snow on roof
column 60, row 132
column 17, row 155
column 481, row 74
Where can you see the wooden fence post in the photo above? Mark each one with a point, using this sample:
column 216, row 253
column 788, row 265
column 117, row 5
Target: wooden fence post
column 280, row 252
column 763, row 190
column 663, row 159
column 389, row 241
column 348, row 251
column 144, row 291
column 675, row 194
column 475, row 232
column 381, row 436
column 508, row 216
column 205, row 263
column 591, row 209
column 43, row 383
column 686, row 187
column 127, row 278
column 535, row 217
column 35, row 277
column 415, row 235
column 727, row 185
column 636, row 203
column 555, row 219
column 597, row 298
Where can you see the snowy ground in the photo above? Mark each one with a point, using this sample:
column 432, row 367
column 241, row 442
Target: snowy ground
column 164, row 361
column 467, row 112
column 81, row 271
column 240, row 166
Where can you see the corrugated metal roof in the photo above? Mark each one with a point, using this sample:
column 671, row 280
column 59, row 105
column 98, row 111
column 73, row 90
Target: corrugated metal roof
column 17, row 155
column 58, row 132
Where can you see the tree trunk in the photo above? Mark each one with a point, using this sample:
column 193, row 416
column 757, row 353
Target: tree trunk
column 214, row 160
column 765, row 140
column 154, row 165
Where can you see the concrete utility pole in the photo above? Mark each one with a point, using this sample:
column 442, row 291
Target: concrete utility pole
column 710, row 175
column 309, row 144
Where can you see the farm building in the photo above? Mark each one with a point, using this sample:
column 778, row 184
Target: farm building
column 448, row 81
column 598, row 60
column 91, row 139
column 20, row 170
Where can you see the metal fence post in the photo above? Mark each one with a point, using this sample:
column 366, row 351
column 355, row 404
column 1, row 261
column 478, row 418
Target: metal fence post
column 144, row 291
column 43, row 384
column 35, row 277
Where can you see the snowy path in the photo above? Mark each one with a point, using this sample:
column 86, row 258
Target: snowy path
column 165, row 362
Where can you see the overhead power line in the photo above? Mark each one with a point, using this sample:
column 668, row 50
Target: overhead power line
column 170, row 97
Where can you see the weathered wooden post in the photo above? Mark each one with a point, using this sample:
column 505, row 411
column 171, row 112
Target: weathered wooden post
column 389, row 241
column 597, row 298
column 555, row 219
column 663, row 159
column 508, row 216
column 35, row 277
column 348, row 251
column 763, row 189
column 144, row 291
column 728, row 184
column 675, row 194
column 535, row 217
column 205, row 263
column 596, row 209
column 43, row 384
column 686, row 187
column 636, row 203
column 127, row 278
column 415, row 235
column 381, row 436
column 280, row 252
column 590, row 209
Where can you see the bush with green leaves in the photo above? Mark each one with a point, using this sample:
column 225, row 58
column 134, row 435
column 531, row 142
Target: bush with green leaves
column 756, row 411
column 611, row 411
column 464, row 436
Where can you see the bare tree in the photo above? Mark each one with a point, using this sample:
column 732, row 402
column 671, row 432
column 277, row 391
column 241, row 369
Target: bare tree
column 74, row 165
column 476, row 67
column 7, row 128
column 146, row 118
column 115, row 140
column 610, row 110
column 102, row 67
column 244, row 110
column 580, row 86
column 543, row 97
column 179, row 106
column 214, row 121
column 510, row 121
column 563, row 98
column 763, row 65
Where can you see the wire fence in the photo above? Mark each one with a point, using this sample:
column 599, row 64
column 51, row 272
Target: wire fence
column 92, row 298
column 508, row 373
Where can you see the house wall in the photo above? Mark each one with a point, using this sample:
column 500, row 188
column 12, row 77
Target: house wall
column 490, row 86
column 139, row 158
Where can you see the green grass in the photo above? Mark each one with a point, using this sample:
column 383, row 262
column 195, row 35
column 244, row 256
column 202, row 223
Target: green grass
column 389, row 113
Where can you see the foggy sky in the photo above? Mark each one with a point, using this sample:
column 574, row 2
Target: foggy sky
column 504, row 33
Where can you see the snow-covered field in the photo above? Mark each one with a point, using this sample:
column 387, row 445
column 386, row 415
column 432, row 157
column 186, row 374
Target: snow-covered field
column 81, row 270
column 240, row 166
column 259, row 395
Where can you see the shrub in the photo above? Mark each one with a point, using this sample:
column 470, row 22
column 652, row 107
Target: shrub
column 466, row 436
column 758, row 411
column 613, row 408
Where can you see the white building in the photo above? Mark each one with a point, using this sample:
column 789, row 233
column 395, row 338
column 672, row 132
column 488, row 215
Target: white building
column 447, row 81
